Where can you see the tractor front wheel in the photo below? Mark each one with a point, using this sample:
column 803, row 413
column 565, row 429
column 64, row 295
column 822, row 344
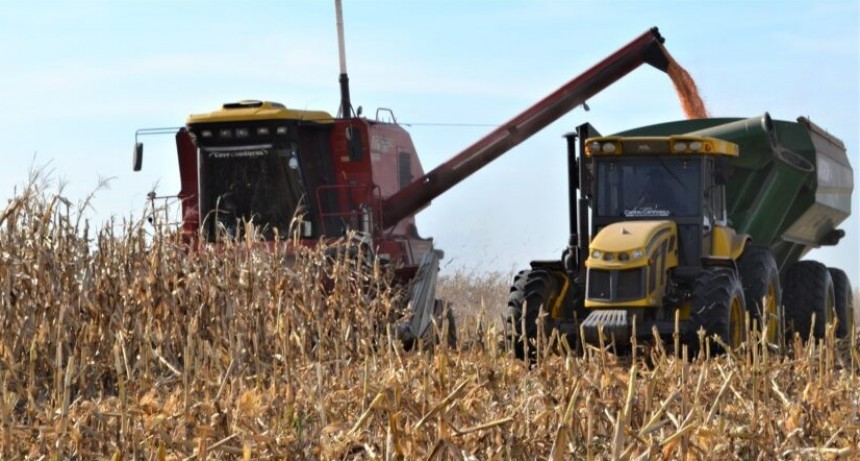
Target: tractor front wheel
column 530, row 295
column 717, row 307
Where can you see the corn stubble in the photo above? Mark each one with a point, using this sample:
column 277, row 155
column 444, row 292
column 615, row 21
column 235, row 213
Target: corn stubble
column 123, row 345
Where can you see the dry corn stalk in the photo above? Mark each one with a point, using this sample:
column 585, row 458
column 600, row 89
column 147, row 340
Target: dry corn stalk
column 120, row 343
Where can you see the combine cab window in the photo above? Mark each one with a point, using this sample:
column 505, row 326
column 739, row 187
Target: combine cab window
column 654, row 188
column 259, row 185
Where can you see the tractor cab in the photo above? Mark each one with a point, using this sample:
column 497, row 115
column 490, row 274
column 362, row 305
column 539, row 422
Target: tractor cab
column 677, row 179
column 658, row 206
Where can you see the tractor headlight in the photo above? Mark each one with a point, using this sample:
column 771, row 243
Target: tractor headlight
column 263, row 131
column 596, row 254
column 241, row 132
column 608, row 147
column 695, row 146
column 637, row 254
column 679, row 147
column 206, row 134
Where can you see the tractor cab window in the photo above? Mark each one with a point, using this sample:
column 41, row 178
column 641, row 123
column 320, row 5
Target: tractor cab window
column 260, row 185
column 654, row 188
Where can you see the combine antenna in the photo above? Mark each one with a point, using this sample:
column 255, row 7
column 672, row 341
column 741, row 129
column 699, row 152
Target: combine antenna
column 345, row 105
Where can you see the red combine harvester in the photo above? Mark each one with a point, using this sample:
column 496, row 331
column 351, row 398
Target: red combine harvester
column 262, row 162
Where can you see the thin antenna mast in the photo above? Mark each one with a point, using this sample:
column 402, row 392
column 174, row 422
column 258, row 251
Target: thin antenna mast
column 345, row 105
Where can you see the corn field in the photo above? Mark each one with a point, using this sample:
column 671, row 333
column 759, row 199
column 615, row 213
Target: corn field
column 119, row 343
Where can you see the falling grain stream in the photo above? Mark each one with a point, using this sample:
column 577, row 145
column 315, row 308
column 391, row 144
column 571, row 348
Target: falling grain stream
column 686, row 88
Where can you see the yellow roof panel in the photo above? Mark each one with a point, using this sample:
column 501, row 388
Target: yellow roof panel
column 246, row 110
column 659, row 145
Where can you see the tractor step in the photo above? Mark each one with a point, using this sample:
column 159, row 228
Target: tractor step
column 615, row 324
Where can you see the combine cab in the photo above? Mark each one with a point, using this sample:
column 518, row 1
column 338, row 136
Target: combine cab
column 263, row 163
column 699, row 223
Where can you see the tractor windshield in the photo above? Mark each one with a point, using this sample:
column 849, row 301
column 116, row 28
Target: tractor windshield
column 260, row 185
column 653, row 187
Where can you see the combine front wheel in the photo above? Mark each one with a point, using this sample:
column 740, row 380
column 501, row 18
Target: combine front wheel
column 717, row 307
column 443, row 311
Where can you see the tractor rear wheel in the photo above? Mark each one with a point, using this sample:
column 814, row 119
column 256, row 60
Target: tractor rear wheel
column 530, row 293
column 717, row 307
column 809, row 290
column 844, row 298
column 762, row 290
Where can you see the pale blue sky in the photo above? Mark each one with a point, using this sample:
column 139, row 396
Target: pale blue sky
column 78, row 78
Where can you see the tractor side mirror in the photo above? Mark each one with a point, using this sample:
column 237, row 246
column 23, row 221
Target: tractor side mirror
column 720, row 177
column 137, row 159
column 722, row 172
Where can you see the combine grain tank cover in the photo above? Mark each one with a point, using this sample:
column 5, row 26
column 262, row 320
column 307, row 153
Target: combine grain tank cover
column 251, row 109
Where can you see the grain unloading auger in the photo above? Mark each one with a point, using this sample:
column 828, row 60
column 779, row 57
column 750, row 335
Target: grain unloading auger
column 693, row 225
column 262, row 162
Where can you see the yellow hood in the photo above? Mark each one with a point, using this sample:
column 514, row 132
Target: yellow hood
column 621, row 240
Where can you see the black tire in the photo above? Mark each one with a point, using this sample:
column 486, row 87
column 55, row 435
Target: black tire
column 808, row 290
column 442, row 311
column 844, row 297
column 516, row 300
column 452, row 326
column 762, row 290
column 516, row 296
column 529, row 294
column 717, row 306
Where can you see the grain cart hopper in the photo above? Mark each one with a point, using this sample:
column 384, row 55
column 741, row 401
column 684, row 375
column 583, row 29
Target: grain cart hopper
column 701, row 219
column 262, row 162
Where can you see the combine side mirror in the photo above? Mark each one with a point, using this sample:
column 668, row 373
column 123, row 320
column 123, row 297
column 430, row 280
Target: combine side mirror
column 137, row 159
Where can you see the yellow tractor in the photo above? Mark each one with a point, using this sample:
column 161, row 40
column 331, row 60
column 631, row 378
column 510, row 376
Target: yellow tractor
column 689, row 226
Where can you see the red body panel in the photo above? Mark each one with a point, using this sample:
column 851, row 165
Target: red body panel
column 385, row 162
column 187, row 153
